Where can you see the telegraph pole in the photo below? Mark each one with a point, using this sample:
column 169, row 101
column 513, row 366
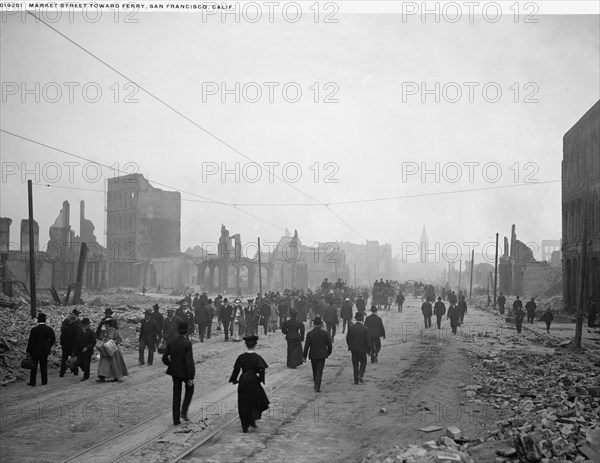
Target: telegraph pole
column 495, row 273
column 259, row 271
column 472, row 265
column 31, row 251
column 459, row 272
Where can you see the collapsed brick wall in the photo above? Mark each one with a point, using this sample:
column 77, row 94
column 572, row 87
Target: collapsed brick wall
column 539, row 277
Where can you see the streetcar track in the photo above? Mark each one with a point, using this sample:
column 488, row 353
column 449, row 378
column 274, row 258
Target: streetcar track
column 155, row 437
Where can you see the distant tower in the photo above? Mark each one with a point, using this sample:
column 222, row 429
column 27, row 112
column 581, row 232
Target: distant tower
column 424, row 245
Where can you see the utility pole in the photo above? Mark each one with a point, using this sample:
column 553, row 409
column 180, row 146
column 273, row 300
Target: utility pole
column 31, row 251
column 449, row 273
column 459, row 272
column 355, row 274
column 259, row 271
column 495, row 273
column 472, row 265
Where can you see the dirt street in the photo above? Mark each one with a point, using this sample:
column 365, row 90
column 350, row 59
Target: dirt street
column 420, row 380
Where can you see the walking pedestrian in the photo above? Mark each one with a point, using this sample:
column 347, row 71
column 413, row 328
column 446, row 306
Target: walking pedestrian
column 70, row 331
column 454, row 317
column 501, row 301
column 159, row 319
column 85, row 348
column 294, row 335
column 346, row 314
column 358, row 344
column 361, row 304
column 179, row 358
column 530, row 307
column 203, row 318
column 547, row 317
column 226, row 316
column 252, row 400
column 331, row 319
column 41, row 339
column 519, row 315
column 439, row 309
column 376, row 331
column 462, row 309
column 111, row 366
column 148, row 337
column 427, row 311
column 400, row 301
column 318, row 347
column 170, row 324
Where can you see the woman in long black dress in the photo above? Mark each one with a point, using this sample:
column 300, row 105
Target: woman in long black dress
column 252, row 400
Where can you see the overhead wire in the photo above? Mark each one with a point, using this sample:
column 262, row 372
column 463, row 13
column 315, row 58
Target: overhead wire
column 206, row 131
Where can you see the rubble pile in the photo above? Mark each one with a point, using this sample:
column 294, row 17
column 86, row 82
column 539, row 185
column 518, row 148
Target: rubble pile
column 549, row 402
column 16, row 323
column 444, row 449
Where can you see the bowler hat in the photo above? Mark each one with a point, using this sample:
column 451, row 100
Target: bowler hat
column 41, row 317
column 182, row 327
column 358, row 316
column 373, row 308
column 439, row 298
column 317, row 321
column 251, row 338
column 108, row 311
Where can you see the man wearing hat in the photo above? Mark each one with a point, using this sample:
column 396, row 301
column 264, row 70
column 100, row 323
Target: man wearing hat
column 358, row 344
column 439, row 309
column 108, row 318
column 376, row 331
column 225, row 316
column 179, row 359
column 148, row 337
column 169, row 331
column 159, row 319
column 346, row 314
column 41, row 340
column 427, row 311
column 70, row 331
column 317, row 347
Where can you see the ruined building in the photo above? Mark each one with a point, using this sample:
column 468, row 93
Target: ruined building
column 143, row 229
column 580, row 203
column 521, row 274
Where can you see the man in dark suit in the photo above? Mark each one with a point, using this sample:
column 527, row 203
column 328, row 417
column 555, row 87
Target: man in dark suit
column 85, row 348
column 203, row 318
column 70, row 331
column 170, row 326
column 179, row 358
column 159, row 319
column 331, row 319
column 41, row 340
column 358, row 343
column 317, row 347
column 148, row 337
column 225, row 316
column 376, row 331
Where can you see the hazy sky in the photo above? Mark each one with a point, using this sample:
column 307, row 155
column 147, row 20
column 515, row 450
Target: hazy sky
column 371, row 66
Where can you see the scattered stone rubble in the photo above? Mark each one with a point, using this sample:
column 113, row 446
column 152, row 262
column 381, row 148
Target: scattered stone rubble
column 549, row 400
column 15, row 324
column 443, row 450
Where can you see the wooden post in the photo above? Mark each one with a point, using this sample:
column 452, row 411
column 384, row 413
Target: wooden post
column 459, row 272
column 80, row 267
column 488, row 289
column 472, row 266
column 259, row 271
column 32, row 292
column 495, row 273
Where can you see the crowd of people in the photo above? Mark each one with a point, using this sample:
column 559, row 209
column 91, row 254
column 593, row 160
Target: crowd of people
column 290, row 312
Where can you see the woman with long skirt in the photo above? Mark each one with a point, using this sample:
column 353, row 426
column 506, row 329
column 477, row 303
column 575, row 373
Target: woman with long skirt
column 294, row 335
column 252, row 400
column 113, row 366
